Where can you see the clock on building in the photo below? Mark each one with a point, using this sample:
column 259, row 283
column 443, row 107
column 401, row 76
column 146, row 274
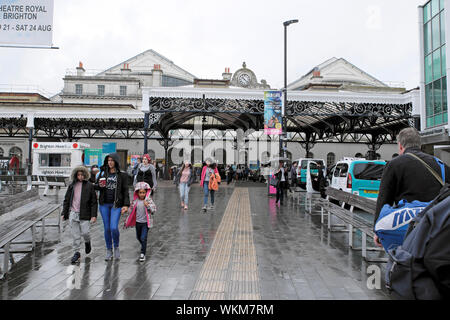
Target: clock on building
column 244, row 79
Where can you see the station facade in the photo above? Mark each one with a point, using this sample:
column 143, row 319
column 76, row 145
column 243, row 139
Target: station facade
column 116, row 93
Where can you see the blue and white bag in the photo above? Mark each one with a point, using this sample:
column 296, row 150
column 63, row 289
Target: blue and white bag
column 393, row 221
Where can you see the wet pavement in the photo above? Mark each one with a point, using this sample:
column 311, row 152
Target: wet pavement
column 248, row 247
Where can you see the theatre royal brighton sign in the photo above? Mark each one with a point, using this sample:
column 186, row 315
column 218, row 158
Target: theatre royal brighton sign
column 26, row 22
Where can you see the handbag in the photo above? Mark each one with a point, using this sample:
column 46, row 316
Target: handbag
column 274, row 181
column 393, row 221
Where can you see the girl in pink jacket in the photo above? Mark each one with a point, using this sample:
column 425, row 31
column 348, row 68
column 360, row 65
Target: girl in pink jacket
column 140, row 214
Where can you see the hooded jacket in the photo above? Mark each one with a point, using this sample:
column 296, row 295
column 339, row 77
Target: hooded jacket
column 121, row 196
column 88, row 202
column 149, row 210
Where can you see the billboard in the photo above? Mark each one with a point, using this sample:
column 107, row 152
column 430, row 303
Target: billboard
column 272, row 112
column 26, row 23
column 93, row 156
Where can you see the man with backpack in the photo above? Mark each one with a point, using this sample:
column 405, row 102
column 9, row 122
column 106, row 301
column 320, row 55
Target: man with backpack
column 406, row 177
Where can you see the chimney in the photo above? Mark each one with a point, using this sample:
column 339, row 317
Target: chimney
column 125, row 68
column 316, row 73
column 80, row 69
column 226, row 75
column 157, row 75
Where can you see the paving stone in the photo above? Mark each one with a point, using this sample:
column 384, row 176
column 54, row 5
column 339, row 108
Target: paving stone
column 276, row 253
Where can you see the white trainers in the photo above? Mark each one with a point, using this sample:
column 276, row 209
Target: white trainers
column 116, row 253
column 109, row 255
column 142, row 258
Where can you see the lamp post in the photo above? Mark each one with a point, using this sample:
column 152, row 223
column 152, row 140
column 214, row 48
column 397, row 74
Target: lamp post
column 30, row 126
column 283, row 110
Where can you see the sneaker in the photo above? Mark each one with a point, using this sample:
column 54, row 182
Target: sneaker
column 204, row 208
column 211, row 207
column 87, row 247
column 142, row 257
column 116, row 253
column 75, row 258
column 109, row 255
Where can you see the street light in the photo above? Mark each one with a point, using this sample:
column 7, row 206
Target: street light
column 283, row 127
column 30, row 127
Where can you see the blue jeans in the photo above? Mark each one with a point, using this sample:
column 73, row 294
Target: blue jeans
column 141, row 235
column 184, row 192
column 206, row 191
column 110, row 217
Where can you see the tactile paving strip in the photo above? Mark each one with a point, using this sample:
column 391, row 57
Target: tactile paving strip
column 230, row 269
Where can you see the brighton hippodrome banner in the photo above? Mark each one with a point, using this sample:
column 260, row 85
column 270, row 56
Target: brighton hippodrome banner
column 26, row 23
column 272, row 112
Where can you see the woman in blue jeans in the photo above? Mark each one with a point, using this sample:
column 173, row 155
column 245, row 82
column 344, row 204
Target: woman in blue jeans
column 114, row 200
column 184, row 178
column 207, row 171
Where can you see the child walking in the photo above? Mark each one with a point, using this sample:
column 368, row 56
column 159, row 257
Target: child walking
column 80, row 207
column 140, row 215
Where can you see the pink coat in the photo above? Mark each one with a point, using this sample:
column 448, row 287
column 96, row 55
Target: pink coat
column 149, row 210
column 204, row 173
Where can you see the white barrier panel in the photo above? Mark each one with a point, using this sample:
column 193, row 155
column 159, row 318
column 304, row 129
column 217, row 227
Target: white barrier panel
column 26, row 22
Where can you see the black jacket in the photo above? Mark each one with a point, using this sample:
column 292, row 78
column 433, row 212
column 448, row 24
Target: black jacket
column 88, row 201
column 148, row 176
column 122, row 196
column 407, row 178
column 281, row 184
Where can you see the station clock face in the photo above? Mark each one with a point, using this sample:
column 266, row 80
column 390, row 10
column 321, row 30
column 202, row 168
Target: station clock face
column 244, row 79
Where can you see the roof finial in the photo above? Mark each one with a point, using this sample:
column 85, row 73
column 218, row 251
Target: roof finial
column 244, row 65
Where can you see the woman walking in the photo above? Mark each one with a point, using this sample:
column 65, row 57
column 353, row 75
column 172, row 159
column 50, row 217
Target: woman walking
column 114, row 200
column 183, row 180
column 207, row 171
column 281, row 175
column 146, row 172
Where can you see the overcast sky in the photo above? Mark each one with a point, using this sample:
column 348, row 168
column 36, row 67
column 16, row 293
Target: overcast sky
column 204, row 36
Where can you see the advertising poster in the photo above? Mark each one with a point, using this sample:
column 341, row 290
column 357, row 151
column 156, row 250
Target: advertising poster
column 108, row 147
column 92, row 156
column 26, row 22
column 272, row 112
column 133, row 159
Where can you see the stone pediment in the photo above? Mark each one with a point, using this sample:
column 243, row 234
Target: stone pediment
column 145, row 62
column 336, row 71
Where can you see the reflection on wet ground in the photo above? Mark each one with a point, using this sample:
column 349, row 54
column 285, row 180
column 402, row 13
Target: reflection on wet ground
column 297, row 258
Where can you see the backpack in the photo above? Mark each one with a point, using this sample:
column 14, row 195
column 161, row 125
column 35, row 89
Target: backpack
column 420, row 267
column 393, row 221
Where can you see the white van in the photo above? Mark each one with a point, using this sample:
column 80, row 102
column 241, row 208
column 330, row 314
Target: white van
column 302, row 169
column 357, row 175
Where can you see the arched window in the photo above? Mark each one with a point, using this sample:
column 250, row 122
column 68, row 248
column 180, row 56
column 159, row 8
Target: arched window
column 358, row 155
column 1, row 152
column 395, row 155
column 265, row 157
column 16, row 151
column 289, row 155
column 331, row 158
column 151, row 153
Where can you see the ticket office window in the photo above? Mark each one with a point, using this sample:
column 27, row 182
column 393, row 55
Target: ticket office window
column 54, row 159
